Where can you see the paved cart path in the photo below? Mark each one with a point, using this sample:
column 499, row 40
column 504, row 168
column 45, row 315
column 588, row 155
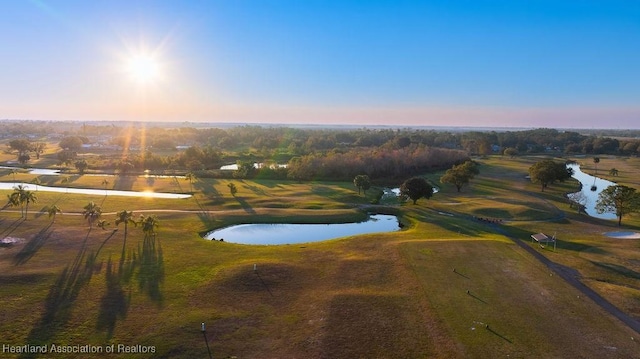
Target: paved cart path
column 572, row 277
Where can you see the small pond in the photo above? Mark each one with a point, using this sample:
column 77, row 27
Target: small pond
column 302, row 233
column 586, row 196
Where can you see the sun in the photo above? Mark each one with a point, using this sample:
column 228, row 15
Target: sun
column 143, row 68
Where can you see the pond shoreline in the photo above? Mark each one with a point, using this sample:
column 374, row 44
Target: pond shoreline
column 587, row 197
column 294, row 232
column 93, row 191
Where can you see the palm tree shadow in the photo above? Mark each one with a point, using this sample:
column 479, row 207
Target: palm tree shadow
column 151, row 273
column 204, row 215
column 40, row 212
column 245, row 205
column 124, row 182
column 61, row 297
column 12, row 227
column 176, row 182
column 115, row 302
column 33, row 246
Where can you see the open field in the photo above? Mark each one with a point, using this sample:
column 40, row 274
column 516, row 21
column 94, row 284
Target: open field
column 381, row 295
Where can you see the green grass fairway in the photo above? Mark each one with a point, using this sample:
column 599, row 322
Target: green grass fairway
column 387, row 295
column 529, row 311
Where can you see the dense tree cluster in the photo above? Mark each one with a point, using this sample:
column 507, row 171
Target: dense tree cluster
column 362, row 182
column 375, row 163
column 547, row 172
column 460, row 175
column 23, row 147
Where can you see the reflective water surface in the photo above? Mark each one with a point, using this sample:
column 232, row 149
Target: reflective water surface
column 586, row 196
column 302, row 233
column 91, row 191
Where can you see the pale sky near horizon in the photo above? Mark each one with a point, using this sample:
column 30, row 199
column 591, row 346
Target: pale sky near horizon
column 528, row 63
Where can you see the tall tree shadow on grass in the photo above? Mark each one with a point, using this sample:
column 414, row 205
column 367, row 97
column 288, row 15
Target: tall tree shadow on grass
column 12, row 227
column 124, row 182
column 114, row 304
column 209, row 191
column 204, row 214
column 33, row 246
column 151, row 272
column 245, row 205
column 62, row 295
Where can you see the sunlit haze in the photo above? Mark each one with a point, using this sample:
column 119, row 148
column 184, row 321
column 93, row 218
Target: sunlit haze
column 563, row 64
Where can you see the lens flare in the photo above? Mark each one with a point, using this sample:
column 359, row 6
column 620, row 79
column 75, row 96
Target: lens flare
column 143, row 68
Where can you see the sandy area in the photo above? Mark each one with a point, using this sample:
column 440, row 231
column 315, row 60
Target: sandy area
column 623, row 235
column 9, row 241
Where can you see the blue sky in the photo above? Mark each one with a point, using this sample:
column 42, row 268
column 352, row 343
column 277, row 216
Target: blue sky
column 435, row 63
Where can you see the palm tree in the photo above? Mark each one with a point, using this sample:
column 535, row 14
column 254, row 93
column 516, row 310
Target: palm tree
column 28, row 197
column 103, row 224
column 233, row 189
column 105, row 183
column 13, row 172
column 613, row 172
column 14, row 201
column 190, row 176
column 596, row 160
column 18, row 198
column 36, row 181
column 65, row 180
column 91, row 213
column 125, row 217
column 151, row 271
column 53, row 211
column 149, row 225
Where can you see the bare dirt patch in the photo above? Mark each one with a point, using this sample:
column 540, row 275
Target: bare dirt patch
column 10, row 241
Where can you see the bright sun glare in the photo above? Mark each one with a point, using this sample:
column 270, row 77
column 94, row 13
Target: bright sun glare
column 143, row 68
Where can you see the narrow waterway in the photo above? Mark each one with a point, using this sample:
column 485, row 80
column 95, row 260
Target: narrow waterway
column 588, row 196
column 91, row 191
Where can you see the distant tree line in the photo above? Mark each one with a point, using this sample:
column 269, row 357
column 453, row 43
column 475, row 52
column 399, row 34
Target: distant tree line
column 309, row 152
column 278, row 142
